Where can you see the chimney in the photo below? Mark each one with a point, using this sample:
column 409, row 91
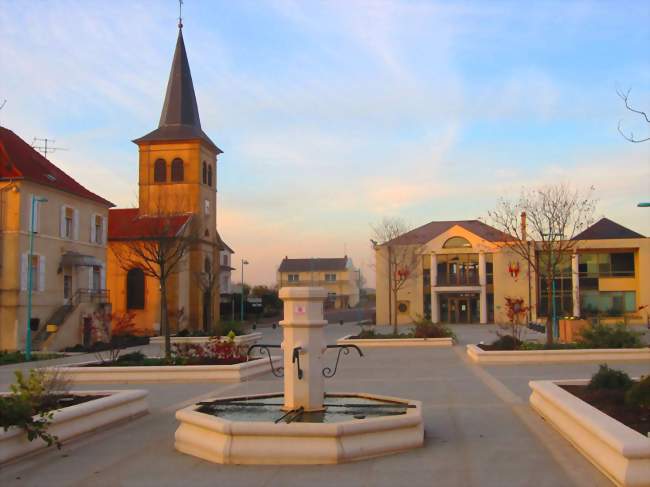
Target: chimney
column 524, row 234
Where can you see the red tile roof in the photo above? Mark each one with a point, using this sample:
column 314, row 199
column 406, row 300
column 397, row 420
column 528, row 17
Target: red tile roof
column 127, row 224
column 18, row 160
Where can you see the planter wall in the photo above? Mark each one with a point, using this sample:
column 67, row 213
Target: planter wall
column 481, row 356
column 241, row 340
column 616, row 450
column 169, row 374
column 73, row 421
column 395, row 342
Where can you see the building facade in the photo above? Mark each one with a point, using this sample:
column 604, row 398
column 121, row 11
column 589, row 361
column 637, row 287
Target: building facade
column 465, row 273
column 177, row 186
column 337, row 275
column 68, row 262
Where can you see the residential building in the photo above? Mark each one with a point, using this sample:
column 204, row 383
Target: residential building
column 226, row 288
column 337, row 275
column 466, row 271
column 68, row 262
column 177, row 195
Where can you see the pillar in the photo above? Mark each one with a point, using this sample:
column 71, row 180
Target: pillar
column 482, row 280
column 575, row 284
column 303, row 326
column 433, row 277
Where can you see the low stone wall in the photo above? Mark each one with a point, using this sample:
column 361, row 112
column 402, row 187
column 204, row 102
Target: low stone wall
column 73, row 421
column 241, row 340
column 616, row 450
column 481, row 356
column 395, row 342
column 168, row 373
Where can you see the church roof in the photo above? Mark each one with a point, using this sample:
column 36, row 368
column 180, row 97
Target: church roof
column 179, row 119
column 128, row 224
column 605, row 229
column 19, row 160
column 426, row 233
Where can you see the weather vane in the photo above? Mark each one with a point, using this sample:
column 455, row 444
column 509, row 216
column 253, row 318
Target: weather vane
column 180, row 14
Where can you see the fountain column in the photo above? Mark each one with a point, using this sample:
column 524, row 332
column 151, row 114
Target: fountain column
column 304, row 339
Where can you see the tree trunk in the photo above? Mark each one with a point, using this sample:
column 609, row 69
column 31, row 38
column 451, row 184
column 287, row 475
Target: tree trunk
column 549, row 311
column 164, row 322
column 394, row 317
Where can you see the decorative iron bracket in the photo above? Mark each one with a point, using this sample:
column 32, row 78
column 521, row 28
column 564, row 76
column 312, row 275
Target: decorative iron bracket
column 296, row 358
column 327, row 371
column 279, row 372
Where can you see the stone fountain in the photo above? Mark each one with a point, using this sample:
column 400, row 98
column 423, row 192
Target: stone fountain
column 305, row 424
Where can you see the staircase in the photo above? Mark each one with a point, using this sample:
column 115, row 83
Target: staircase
column 57, row 318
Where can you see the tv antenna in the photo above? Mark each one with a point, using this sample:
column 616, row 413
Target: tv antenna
column 180, row 14
column 45, row 145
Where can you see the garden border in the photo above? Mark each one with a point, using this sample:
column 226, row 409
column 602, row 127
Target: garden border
column 621, row 453
column 240, row 340
column 395, row 342
column 481, row 356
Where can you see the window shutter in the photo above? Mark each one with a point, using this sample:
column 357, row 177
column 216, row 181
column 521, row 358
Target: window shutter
column 90, row 277
column 41, row 273
column 104, row 230
column 62, row 223
column 75, row 224
column 23, row 272
column 93, row 230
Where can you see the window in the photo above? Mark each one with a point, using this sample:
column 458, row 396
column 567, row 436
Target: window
column 457, row 243
column 292, row 277
column 68, row 223
column 224, row 259
column 160, row 171
column 97, row 229
column 210, row 175
column 403, row 307
column 177, row 170
column 35, row 274
column 67, row 287
column 205, row 173
column 616, row 264
column 135, row 289
column 330, row 277
column 97, row 277
column 206, row 207
column 37, row 266
column 207, row 266
column 606, row 303
column 457, row 270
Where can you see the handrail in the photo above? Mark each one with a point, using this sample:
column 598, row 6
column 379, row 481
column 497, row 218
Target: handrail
column 328, row 371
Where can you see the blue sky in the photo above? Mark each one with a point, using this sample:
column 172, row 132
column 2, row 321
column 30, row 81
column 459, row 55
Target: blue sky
column 334, row 114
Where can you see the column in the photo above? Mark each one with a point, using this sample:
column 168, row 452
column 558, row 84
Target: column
column 433, row 276
column 575, row 284
column 482, row 280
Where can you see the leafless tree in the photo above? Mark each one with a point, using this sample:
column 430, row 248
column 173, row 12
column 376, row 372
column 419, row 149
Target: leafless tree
column 402, row 260
column 554, row 215
column 208, row 282
column 158, row 250
column 630, row 137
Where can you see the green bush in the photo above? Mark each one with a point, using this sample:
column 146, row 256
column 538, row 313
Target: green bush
column 603, row 336
column 506, row 342
column 133, row 358
column 225, row 327
column 425, row 328
column 639, row 394
column 607, row 378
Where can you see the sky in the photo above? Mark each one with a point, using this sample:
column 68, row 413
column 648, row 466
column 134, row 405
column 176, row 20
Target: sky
column 333, row 115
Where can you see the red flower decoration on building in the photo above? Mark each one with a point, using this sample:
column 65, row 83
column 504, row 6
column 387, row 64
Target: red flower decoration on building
column 513, row 269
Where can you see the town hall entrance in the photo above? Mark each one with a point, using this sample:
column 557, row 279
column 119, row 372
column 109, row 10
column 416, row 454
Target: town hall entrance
column 459, row 307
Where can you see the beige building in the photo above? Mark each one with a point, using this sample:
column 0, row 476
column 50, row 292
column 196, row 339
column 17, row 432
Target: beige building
column 337, row 275
column 465, row 273
column 68, row 263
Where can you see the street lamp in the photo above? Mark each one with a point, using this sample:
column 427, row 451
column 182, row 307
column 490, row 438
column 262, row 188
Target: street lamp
column 30, row 277
column 554, row 314
column 243, row 263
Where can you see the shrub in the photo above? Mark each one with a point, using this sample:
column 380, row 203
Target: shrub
column 425, row 328
column 639, row 394
column 134, row 358
column 215, row 349
column 603, row 336
column 225, row 327
column 607, row 378
column 506, row 342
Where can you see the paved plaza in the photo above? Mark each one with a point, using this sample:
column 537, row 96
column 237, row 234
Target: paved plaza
column 480, row 430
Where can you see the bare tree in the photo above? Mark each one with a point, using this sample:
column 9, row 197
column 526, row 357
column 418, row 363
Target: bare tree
column 402, row 259
column 542, row 224
column 162, row 240
column 207, row 281
column 630, row 137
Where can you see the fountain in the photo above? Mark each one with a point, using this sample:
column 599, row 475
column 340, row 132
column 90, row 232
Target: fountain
column 305, row 424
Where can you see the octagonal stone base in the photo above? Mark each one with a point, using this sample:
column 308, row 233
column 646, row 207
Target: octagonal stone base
column 224, row 441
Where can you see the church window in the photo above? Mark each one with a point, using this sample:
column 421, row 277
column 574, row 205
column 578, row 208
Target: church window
column 210, row 175
column 205, row 173
column 135, row 289
column 160, row 171
column 177, row 170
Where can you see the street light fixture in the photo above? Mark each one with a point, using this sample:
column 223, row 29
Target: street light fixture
column 30, row 277
column 243, row 263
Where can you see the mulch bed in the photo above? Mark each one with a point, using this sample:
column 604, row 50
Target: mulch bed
column 151, row 362
column 612, row 403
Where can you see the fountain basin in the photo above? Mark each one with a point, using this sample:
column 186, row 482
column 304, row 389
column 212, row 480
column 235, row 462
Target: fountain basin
column 243, row 436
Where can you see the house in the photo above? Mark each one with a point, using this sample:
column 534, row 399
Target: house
column 337, row 275
column 68, row 261
column 465, row 272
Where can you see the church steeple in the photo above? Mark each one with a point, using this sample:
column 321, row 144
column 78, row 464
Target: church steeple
column 179, row 119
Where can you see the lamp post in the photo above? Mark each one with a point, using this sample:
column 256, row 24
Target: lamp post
column 554, row 313
column 30, row 277
column 243, row 263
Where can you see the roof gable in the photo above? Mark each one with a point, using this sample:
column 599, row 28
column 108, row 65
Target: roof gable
column 426, row 233
column 605, row 229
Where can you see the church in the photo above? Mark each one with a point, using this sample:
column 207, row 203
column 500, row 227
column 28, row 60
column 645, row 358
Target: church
column 177, row 197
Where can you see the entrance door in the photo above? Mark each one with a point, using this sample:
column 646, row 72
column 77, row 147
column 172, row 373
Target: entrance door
column 458, row 309
column 463, row 311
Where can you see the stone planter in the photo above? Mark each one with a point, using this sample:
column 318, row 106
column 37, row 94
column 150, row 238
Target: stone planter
column 570, row 329
column 395, row 342
column 601, row 355
column 167, row 373
column 241, row 340
column 73, row 421
column 616, row 450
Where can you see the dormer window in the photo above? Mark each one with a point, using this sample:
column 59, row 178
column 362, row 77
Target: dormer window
column 177, row 170
column 160, row 171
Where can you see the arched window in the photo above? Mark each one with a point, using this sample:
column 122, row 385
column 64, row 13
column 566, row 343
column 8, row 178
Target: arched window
column 207, row 266
column 135, row 289
column 177, row 169
column 205, row 173
column 210, row 175
column 457, row 243
column 160, row 171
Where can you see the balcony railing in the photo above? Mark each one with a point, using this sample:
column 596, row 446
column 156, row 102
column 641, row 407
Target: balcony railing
column 100, row 296
column 457, row 280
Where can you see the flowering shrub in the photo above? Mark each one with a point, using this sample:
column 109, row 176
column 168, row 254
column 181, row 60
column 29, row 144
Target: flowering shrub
column 217, row 350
